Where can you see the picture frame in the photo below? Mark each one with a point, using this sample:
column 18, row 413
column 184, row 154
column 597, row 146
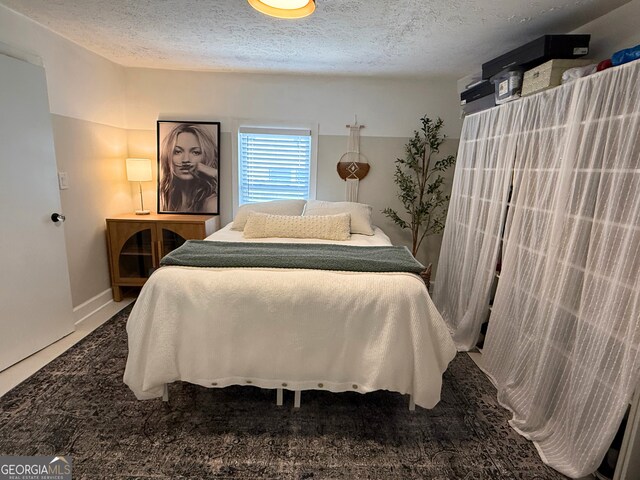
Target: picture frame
column 188, row 167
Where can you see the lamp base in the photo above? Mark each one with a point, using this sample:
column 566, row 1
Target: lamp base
column 142, row 212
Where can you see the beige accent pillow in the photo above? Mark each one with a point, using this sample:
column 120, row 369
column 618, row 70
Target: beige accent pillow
column 360, row 213
column 275, row 207
column 325, row 227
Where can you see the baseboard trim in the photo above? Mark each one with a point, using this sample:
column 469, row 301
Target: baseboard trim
column 92, row 306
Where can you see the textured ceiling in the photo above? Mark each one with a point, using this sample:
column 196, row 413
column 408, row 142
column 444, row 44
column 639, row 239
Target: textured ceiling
column 348, row 37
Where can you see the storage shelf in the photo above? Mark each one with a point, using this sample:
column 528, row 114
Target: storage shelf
column 137, row 252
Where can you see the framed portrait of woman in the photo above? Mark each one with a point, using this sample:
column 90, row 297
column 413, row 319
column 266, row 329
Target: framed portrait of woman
column 188, row 167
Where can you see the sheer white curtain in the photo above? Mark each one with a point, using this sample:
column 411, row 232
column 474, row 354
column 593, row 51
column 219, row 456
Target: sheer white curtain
column 564, row 336
column 469, row 252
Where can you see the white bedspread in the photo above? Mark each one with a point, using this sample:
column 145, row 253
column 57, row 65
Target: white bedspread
column 294, row 329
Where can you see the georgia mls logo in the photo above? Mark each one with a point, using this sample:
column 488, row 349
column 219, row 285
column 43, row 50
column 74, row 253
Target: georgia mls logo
column 35, row 468
column 61, row 467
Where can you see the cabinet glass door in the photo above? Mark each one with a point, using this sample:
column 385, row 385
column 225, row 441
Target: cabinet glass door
column 172, row 235
column 170, row 241
column 136, row 256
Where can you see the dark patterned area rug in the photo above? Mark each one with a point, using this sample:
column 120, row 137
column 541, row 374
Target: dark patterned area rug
column 78, row 405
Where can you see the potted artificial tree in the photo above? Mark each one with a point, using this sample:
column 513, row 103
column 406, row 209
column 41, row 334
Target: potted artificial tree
column 419, row 179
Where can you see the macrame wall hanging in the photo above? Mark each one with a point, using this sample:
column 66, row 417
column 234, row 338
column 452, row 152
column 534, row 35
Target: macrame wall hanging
column 353, row 166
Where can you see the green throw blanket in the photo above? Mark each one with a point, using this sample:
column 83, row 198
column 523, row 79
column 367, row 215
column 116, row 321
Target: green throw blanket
column 200, row 253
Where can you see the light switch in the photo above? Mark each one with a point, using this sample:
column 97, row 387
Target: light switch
column 63, row 180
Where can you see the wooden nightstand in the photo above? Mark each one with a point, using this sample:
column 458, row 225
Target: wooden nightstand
column 136, row 243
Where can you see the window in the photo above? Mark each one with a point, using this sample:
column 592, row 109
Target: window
column 275, row 164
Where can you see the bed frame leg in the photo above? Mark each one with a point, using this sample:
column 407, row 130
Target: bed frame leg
column 279, row 397
column 165, row 393
column 412, row 404
column 296, row 399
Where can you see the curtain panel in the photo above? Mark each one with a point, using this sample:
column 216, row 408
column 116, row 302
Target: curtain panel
column 471, row 240
column 563, row 341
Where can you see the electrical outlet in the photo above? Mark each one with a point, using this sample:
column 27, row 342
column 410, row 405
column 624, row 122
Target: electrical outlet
column 63, row 180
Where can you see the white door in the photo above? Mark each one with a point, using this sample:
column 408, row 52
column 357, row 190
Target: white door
column 35, row 297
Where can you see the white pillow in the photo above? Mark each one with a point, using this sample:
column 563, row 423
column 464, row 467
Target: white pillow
column 360, row 213
column 275, row 207
column 325, row 227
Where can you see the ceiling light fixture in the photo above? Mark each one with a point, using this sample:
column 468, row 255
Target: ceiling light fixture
column 284, row 8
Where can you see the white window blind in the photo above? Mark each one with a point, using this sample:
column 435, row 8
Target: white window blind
column 273, row 164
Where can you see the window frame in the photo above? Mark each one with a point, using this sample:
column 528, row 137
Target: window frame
column 273, row 125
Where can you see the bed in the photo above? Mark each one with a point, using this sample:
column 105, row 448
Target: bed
column 294, row 329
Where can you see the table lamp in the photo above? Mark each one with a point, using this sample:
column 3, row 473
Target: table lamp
column 139, row 170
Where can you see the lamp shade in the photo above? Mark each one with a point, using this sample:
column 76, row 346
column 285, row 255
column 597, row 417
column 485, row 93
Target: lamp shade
column 138, row 169
column 284, row 8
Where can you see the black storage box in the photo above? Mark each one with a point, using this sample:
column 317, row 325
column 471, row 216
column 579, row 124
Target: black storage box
column 537, row 52
column 483, row 89
column 479, row 105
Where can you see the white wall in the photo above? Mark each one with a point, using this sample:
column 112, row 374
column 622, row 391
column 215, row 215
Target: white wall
column 390, row 109
column 87, row 100
column 81, row 84
column 612, row 32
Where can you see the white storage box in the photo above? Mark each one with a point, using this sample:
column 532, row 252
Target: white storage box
column 548, row 75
